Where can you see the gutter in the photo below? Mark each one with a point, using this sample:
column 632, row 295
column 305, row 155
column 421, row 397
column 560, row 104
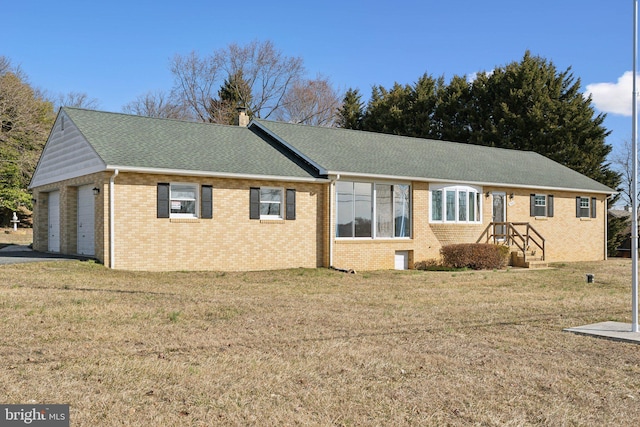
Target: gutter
column 367, row 176
column 112, row 234
column 161, row 171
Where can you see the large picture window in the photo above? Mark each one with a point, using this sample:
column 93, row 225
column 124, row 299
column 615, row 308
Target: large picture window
column 455, row 204
column 373, row 210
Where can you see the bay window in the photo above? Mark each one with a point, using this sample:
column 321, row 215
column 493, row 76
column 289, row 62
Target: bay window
column 455, row 204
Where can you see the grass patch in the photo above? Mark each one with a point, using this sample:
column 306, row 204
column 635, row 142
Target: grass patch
column 318, row 347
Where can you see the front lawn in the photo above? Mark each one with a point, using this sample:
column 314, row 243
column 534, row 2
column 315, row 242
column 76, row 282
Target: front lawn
column 318, row 347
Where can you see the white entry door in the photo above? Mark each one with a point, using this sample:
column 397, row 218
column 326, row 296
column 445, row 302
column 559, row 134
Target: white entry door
column 54, row 222
column 86, row 220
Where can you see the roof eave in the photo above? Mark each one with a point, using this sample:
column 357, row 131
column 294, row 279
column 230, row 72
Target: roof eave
column 230, row 175
column 341, row 175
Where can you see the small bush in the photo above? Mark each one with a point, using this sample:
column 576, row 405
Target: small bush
column 434, row 265
column 428, row 264
column 477, row 256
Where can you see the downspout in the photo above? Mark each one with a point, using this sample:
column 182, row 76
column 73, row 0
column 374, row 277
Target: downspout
column 112, row 234
column 606, row 225
column 331, row 225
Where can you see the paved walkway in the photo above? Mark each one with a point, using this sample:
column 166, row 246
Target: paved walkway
column 15, row 254
column 616, row 331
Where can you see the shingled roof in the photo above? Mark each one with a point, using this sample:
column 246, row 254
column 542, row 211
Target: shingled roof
column 357, row 153
column 269, row 150
column 128, row 141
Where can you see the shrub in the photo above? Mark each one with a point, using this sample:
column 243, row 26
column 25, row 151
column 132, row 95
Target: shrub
column 428, row 264
column 478, row 256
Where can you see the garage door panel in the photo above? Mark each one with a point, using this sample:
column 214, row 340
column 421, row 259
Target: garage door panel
column 54, row 222
column 86, row 220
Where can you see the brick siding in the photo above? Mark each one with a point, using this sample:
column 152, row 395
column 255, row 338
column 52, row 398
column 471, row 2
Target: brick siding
column 231, row 241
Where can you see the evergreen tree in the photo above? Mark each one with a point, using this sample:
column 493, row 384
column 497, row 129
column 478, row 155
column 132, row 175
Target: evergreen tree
column 234, row 92
column 351, row 112
column 405, row 110
column 453, row 115
column 530, row 105
column 526, row 105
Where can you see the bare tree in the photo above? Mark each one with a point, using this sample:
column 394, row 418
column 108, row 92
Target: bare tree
column 5, row 65
column 195, row 80
column 311, row 102
column 157, row 104
column 266, row 71
column 623, row 160
column 78, row 100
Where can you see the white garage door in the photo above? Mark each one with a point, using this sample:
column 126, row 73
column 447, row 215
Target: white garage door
column 86, row 220
column 54, row 221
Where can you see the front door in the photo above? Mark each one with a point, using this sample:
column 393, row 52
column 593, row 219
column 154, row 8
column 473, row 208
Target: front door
column 499, row 214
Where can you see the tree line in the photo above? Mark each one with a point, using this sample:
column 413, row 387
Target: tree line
column 526, row 105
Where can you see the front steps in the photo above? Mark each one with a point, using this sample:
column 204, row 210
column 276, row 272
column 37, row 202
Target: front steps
column 533, row 261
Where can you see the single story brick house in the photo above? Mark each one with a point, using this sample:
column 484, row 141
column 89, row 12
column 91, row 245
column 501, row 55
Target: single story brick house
column 141, row 193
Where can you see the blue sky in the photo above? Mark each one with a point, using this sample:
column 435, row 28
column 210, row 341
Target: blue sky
column 117, row 50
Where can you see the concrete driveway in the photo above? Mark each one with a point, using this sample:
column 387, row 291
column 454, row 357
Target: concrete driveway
column 15, row 254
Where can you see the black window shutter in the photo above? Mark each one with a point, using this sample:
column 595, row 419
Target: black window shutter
column 163, row 200
column 550, row 205
column 291, row 204
column 532, row 208
column 578, row 207
column 594, row 207
column 254, row 203
column 206, row 202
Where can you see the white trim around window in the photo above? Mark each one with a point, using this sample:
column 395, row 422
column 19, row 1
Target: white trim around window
column 455, row 204
column 271, row 203
column 373, row 210
column 183, row 200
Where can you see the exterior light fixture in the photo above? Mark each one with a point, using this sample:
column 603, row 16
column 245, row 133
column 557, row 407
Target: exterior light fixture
column 96, row 191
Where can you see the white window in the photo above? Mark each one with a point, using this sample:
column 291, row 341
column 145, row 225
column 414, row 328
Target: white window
column 365, row 209
column 183, row 201
column 455, row 204
column 585, row 207
column 271, row 203
column 541, row 205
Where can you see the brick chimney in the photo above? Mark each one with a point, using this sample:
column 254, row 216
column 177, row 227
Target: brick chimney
column 243, row 119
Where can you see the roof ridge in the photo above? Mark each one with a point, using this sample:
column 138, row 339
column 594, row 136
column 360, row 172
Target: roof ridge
column 141, row 117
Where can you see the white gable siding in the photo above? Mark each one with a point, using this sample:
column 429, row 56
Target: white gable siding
column 66, row 155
